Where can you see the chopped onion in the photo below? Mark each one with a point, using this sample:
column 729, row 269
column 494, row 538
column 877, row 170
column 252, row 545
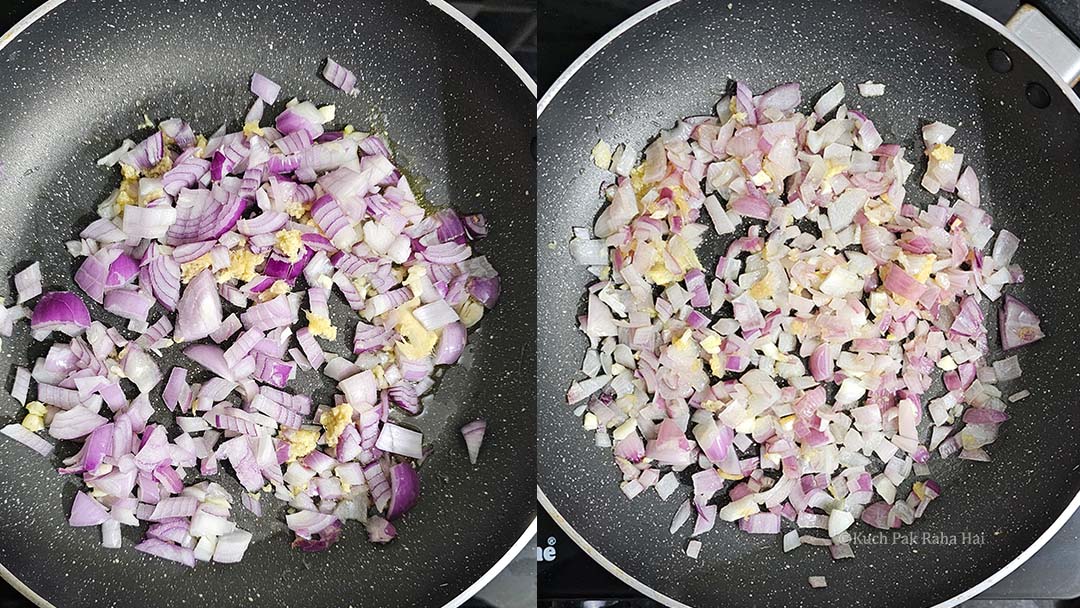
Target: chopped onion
column 60, row 311
column 400, row 440
column 199, row 309
column 167, row 551
column 845, row 304
column 339, row 76
column 87, row 512
column 28, row 282
column 829, row 100
column 1007, row 369
column 230, row 547
column 1019, row 326
column 871, row 89
column 262, row 218
column 19, row 433
column 264, row 88
column 474, row 436
column 404, row 488
column 379, row 530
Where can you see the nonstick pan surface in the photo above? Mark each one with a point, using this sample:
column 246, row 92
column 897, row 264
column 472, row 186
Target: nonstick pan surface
column 675, row 59
column 76, row 77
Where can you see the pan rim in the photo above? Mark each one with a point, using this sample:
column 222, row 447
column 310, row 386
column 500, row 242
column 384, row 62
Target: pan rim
column 561, row 521
column 530, row 531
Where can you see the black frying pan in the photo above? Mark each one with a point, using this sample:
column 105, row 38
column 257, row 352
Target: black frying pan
column 77, row 76
column 674, row 60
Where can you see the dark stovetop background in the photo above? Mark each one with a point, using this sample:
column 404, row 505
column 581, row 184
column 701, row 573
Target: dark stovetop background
column 570, row 579
column 513, row 24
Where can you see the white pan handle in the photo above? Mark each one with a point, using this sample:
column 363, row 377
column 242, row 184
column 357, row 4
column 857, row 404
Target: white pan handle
column 1034, row 28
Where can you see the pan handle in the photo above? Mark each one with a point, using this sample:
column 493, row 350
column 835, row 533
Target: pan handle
column 1046, row 38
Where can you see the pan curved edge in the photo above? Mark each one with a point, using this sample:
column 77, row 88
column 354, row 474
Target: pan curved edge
column 530, row 531
column 566, row 526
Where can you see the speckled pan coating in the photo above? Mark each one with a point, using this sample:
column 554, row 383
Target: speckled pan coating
column 932, row 59
column 79, row 79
